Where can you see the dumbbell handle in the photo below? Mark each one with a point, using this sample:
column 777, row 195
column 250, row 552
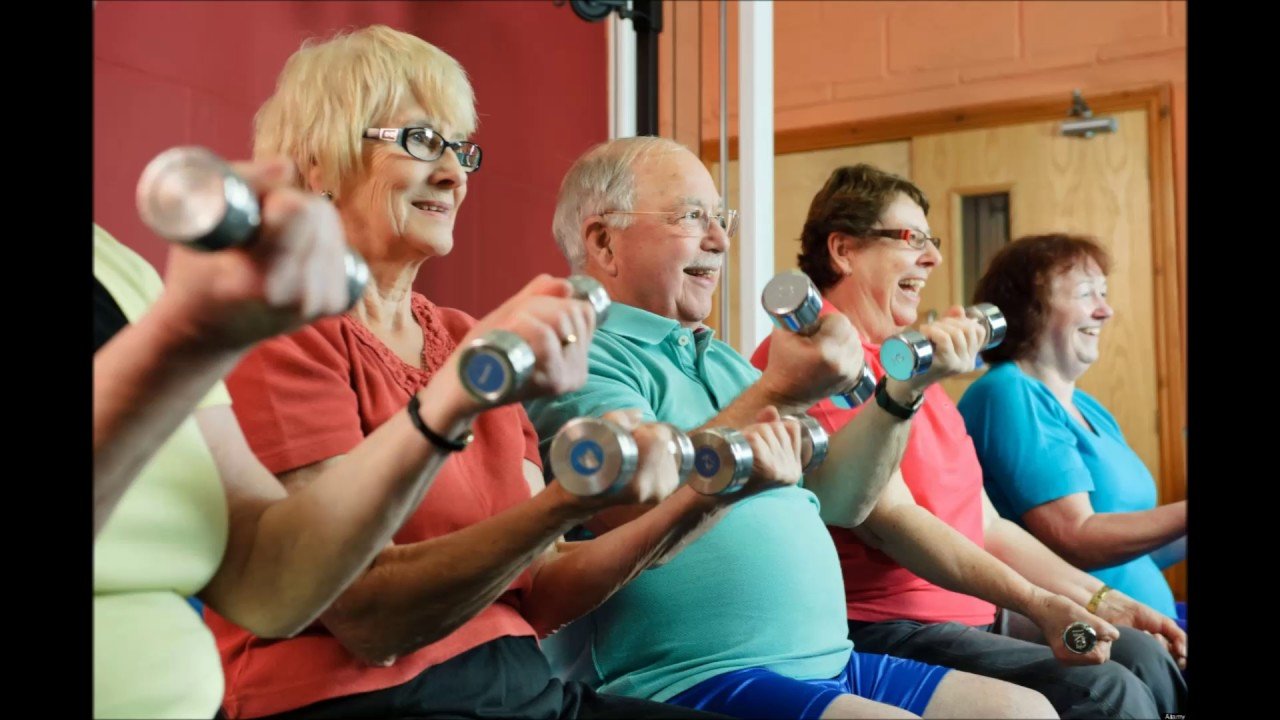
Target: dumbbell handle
column 495, row 366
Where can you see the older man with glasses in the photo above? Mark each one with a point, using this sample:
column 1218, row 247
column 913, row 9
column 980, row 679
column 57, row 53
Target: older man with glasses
column 748, row 620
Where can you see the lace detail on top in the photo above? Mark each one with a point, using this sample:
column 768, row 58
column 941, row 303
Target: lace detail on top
column 437, row 345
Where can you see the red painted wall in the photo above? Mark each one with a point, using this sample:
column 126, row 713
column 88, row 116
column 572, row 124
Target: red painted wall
column 173, row 73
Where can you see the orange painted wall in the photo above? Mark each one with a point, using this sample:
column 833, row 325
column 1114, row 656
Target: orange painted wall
column 839, row 61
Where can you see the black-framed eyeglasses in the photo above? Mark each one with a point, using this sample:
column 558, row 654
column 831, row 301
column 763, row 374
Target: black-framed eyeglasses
column 913, row 238
column 426, row 144
column 693, row 222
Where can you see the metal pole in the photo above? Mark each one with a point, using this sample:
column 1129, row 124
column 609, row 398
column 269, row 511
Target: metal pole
column 724, row 158
column 648, row 22
column 755, row 168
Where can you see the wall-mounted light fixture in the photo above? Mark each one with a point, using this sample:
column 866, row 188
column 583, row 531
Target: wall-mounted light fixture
column 1083, row 124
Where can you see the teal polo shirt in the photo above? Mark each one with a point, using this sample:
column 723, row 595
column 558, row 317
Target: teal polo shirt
column 762, row 588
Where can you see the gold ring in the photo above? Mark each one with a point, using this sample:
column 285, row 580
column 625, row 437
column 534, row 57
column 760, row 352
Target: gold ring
column 568, row 340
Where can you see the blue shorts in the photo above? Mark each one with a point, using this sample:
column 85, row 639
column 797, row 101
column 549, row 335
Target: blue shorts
column 761, row 693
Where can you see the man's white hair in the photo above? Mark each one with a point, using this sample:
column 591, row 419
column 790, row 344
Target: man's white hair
column 602, row 179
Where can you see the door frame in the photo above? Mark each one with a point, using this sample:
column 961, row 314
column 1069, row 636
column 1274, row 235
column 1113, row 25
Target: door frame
column 1168, row 244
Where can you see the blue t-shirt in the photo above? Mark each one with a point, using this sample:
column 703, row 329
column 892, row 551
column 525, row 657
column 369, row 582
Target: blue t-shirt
column 760, row 589
column 1033, row 452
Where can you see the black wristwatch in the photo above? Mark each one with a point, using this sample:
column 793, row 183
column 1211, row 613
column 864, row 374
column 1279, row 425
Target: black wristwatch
column 891, row 406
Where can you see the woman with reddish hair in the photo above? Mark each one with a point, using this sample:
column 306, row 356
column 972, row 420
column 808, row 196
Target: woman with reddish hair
column 1054, row 460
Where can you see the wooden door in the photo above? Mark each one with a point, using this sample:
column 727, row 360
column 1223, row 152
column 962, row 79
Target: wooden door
column 1097, row 187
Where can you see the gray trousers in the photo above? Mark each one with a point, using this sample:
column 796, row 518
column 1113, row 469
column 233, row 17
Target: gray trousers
column 1141, row 680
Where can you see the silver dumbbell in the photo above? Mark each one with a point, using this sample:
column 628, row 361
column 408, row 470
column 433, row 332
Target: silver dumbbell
column 496, row 365
column 1080, row 638
column 722, row 456
column 594, row 456
column 190, row 196
column 722, row 461
column 910, row 353
column 793, row 302
column 814, row 442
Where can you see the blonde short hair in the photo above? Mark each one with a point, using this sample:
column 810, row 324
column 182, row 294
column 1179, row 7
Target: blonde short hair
column 330, row 91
